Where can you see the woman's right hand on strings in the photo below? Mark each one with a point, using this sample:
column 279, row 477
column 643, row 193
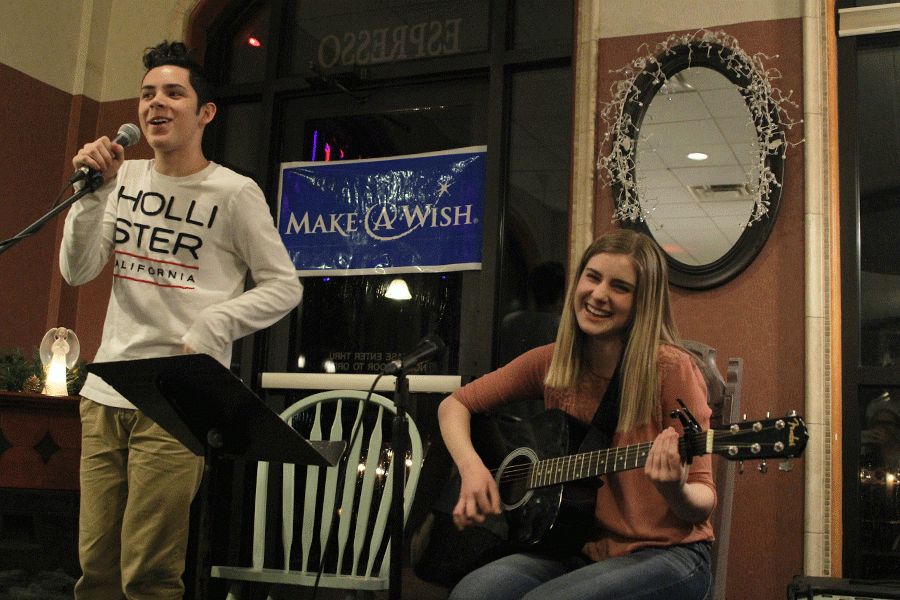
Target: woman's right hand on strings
column 478, row 496
column 102, row 155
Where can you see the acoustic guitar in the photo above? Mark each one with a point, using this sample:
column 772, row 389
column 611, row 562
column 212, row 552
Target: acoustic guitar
column 548, row 493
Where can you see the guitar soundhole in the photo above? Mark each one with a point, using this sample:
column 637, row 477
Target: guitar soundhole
column 513, row 478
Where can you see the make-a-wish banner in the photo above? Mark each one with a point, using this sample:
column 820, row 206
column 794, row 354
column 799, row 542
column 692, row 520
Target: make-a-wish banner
column 417, row 213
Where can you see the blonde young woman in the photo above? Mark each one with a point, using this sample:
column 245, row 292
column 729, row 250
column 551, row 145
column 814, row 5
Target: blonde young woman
column 653, row 523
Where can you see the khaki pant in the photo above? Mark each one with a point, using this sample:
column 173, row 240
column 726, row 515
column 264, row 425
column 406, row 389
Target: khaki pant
column 137, row 483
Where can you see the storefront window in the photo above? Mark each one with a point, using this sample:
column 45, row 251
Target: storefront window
column 248, row 48
column 347, row 323
column 540, row 22
column 239, row 152
column 537, row 214
column 343, row 36
column 871, row 413
column 879, row 483
column 349, row 80
column 879, row 206
column 350, row 325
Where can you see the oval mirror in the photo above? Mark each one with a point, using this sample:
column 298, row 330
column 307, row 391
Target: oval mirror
column 704, row 159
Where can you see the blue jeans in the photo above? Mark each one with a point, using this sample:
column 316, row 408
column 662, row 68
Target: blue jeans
column 671, row 573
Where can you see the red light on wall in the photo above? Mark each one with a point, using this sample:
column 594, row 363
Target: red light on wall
column 254, row 42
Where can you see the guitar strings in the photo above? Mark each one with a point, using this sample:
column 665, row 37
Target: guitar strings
column 589, row 461
column 563, row 468
column 567, row 465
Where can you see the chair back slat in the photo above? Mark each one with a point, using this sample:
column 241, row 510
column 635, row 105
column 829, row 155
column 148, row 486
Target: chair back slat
column 328, row 500
column 380, row 530
column 357, row 492
column 371, row 479
column 309, row 496
column 287, row 512
column 259, row 515
column 350, row 480
column 724, row 398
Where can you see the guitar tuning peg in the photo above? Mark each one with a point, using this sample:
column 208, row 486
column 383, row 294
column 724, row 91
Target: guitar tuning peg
column 741, row 468
column 763, row 468
column 786, row 466
column 792, row 413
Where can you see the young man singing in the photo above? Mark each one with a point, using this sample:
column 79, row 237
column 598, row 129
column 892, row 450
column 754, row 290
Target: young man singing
column 183, row 233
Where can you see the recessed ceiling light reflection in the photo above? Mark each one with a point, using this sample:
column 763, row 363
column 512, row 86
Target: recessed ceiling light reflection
column 697, row 156
column 398, row 290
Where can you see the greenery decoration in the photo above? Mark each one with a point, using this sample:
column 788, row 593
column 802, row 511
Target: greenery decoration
column 21, row 374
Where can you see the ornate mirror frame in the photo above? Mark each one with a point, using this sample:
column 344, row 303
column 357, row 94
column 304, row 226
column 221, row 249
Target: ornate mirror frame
column 625, row 114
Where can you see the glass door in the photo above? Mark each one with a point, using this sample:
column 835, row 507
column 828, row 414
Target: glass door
column 869, row 101
column 878, row 406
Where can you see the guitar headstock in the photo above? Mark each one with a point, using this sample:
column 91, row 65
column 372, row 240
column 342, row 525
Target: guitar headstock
column 769, row 438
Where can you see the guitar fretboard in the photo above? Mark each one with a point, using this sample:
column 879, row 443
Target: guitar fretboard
column 564, row 469
column 770, row 438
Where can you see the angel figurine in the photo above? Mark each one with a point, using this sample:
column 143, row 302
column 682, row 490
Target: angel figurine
column 59, row 351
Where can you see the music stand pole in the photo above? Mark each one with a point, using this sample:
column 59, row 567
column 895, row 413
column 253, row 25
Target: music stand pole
column 399, row 444
column 214, row 442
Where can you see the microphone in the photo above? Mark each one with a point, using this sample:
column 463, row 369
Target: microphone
column 429, row 348
column 128, row 135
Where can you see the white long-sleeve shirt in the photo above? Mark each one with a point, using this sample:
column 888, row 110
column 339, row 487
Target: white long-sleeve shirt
column 182, row 247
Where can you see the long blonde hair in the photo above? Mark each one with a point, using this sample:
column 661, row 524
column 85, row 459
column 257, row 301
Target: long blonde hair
column 651, row 325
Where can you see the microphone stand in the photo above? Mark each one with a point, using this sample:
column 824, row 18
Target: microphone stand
column 399, row 444
column 92, row 184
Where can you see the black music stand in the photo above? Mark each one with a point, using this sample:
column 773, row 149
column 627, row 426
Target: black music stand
column 207, row 408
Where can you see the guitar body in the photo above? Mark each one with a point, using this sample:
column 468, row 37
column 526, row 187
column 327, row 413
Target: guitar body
column 555, row 519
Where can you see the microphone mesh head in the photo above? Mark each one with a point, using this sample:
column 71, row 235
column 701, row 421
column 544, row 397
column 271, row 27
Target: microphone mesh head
column 131, row 133
column 437, row 342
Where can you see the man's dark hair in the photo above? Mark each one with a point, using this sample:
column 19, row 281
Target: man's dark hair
column 179, row 55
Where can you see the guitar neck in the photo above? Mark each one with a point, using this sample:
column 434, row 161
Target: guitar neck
column 770, row 438
column 564, row 469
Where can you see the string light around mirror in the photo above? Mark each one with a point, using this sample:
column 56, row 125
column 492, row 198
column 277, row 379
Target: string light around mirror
column 768, row 114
